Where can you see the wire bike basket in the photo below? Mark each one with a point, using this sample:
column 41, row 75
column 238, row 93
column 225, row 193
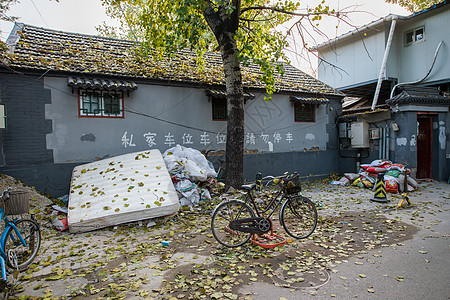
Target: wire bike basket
column 17, row 204
column 293, row 184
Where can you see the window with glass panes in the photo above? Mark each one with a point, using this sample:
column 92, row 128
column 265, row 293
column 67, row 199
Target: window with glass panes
column 414, row 36
column 304, row 112
column 219, row 109
column 101, row 104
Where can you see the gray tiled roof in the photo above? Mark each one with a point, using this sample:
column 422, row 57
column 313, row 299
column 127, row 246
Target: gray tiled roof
column 42, row 49
column 309, row 100
column 223, row 94
column 101, row 84
column 418, row 95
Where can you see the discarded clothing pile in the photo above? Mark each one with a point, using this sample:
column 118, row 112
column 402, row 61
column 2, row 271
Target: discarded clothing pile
column 394, row 176
column 189, row 169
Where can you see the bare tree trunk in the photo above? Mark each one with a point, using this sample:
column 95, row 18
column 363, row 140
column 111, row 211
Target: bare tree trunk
column 235, row 123
column 224, row 25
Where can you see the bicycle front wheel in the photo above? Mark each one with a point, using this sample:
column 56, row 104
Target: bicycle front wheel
column 220, row 222
column 19, row 255
column 298, row 215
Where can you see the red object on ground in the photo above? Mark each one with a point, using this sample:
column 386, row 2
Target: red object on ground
column 268, row 240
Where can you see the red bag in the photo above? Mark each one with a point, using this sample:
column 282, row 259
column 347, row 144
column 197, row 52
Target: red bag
column 364, row 167
column 376, row 170
column 391, row 186
column 59, row 220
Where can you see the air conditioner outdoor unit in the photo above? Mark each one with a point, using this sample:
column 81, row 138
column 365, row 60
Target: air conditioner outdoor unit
column 360, row 135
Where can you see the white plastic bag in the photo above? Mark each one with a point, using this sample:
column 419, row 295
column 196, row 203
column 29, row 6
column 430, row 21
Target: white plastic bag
column 173, row 164
column 185, row 186
column 194, row 162
column 380, row 163
column 189, row 191
column 192, row 170
column 351, row 176
column 205, row 194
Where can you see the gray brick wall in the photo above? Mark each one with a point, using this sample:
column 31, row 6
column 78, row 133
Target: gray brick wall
column 24, row 139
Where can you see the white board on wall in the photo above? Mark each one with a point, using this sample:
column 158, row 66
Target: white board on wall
column 2, row 116
column 122, row 189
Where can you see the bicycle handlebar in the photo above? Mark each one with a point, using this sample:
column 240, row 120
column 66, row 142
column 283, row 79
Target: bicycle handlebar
column 285, row 175
column 278, row 180
column 5, row 194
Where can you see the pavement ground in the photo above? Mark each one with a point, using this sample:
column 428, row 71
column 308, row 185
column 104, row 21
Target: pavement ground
column 360, row 249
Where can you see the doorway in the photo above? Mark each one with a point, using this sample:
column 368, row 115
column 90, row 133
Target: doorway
column 424, row 146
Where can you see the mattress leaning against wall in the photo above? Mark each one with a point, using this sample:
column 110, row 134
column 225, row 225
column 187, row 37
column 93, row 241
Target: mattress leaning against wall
column 122, row 189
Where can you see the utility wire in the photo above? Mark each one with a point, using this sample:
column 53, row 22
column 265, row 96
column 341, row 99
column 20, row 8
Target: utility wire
column 25, row 84
column 170, row 122
column 39, row 13
column 179, row 102
column 126, row 110
column 131, row 110
column 136, row 112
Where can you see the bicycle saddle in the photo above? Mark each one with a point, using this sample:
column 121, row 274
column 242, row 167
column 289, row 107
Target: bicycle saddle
column 248, row 187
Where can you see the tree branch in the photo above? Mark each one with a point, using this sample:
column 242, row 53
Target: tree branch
column 234, row 16
column 274, row 9
column 211, row 17
column 255, row 20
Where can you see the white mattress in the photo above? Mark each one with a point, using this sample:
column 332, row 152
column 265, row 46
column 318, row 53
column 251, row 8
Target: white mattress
column 126, row 188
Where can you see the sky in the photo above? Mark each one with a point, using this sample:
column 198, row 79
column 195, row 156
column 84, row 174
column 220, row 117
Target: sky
column 82, row 16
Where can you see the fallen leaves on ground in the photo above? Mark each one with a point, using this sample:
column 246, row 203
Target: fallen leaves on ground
column 128, row 260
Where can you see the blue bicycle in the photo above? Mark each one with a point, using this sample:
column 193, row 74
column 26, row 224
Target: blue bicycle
column 20, row 239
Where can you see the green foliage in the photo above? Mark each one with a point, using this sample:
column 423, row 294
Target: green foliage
column 110, row 31
column 164, row 27
column 414, row 5
column 5, row 6
column 245, row 31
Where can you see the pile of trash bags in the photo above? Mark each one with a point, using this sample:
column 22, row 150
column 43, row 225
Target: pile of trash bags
column 394, row 177
column 191, row 174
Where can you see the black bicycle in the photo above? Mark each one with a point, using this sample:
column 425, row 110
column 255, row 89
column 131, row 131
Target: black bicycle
column 234, row 221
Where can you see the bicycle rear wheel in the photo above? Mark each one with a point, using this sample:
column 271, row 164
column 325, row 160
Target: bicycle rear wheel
column 298, row 215
column 220, row 222
column 18, row 255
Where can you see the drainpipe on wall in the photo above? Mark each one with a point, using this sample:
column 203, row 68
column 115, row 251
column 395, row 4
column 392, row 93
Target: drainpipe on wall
column 425, row 77
column 380, row 144
column 383, row 64
column 358, row 163
column 387, row 142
